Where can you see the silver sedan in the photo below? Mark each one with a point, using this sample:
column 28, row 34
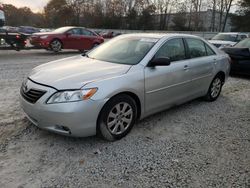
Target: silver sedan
column 128, row 78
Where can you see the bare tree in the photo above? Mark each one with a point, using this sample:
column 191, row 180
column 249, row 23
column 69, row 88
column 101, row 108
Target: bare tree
column 164, row 8
column 228, row 5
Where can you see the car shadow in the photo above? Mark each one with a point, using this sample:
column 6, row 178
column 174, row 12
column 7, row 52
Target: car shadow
column 61, row 53
column 241, row 76
column 149, row 124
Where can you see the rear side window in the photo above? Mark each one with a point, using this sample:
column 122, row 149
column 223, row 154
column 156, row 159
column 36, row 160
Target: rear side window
column 173, row 49
column 75, row 31
column 196, row 48
column 209, row 50
column 87, row 33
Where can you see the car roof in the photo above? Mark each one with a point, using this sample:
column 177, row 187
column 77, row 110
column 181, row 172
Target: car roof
column 72, row 27
column 233, row 33
column 158, row 35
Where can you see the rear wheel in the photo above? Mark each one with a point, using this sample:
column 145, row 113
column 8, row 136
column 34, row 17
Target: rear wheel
column 56, row 45
column 95, row 45
column 117, row 117
column 214, row 89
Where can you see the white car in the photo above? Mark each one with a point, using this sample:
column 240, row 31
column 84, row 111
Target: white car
column 222, row 40
column 2, row 17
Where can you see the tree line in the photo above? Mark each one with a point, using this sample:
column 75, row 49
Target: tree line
column 133, row 14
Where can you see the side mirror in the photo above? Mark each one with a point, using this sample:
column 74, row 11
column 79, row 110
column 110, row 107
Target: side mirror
column 160, row 61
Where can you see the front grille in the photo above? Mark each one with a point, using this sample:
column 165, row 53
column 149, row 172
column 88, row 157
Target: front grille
column 32, row 95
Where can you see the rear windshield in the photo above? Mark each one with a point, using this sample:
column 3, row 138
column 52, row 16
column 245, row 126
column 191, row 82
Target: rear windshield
column 243, row 44
column 225, row 37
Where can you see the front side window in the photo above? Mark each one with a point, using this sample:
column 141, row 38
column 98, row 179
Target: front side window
column 173, row 49
column 196, row 48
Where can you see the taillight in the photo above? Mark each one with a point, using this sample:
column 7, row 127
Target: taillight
column 17, row 36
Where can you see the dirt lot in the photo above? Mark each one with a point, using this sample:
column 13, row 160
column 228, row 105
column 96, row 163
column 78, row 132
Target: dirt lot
column 197, row 144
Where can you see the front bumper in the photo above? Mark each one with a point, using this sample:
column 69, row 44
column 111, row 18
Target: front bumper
column 77, row 119
column 40, row 43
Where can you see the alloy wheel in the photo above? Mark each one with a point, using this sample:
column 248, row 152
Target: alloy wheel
column 56, row 45
column 120, row 118
column 216, row 87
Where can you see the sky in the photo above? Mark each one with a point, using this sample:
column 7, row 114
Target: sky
column 37, row 5
column 34, row 5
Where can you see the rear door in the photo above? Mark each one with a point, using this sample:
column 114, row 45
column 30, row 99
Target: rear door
column 87, row 39
column 202, row 62
column 166, row 86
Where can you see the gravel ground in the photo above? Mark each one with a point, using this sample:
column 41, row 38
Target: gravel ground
column 197, row 144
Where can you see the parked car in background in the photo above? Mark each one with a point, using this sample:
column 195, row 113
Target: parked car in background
column 128, row 78
column 240, row 55
column 78, row 38
column 110, row 34
column 11, row 29
column 2, row 17
column 222, row 40
column 45, row 30
column 28, row 29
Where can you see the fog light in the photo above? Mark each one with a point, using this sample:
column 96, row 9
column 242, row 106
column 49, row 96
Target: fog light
column 63, row 128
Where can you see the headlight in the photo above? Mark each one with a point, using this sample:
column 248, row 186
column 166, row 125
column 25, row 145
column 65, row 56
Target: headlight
column 44, row 37
column 71, row 96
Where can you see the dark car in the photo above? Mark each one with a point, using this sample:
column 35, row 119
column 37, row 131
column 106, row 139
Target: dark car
column 110, row 34
column 28, row 29
column 78, row 38
column 240, row 55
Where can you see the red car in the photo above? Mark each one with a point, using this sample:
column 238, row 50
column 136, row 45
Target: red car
column 67, row 38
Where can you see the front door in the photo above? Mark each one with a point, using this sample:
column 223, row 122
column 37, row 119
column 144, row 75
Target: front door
column 168, row 85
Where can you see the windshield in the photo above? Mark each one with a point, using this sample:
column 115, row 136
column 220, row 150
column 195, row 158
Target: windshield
column 243, row 44
column 225, row 37
column 61, row 29
column 128, row 51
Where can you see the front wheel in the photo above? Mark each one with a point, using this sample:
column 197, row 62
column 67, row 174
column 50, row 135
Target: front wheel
column 214, row 89
column 117, row 118
column 56, row 45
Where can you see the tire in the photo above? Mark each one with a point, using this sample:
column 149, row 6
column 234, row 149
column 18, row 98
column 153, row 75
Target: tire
column 95, row 45
column 214, row 89
column 56, row 45
column 111, row 124
column 82, row 51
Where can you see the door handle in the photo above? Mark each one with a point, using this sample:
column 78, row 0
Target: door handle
column 215, row 61
column 186, row 67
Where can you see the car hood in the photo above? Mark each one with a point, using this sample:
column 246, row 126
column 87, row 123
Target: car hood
column 75, row 72
column 222, row 42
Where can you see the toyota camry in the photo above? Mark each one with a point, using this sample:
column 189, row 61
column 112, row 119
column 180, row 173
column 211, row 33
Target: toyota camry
column 128, row 78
